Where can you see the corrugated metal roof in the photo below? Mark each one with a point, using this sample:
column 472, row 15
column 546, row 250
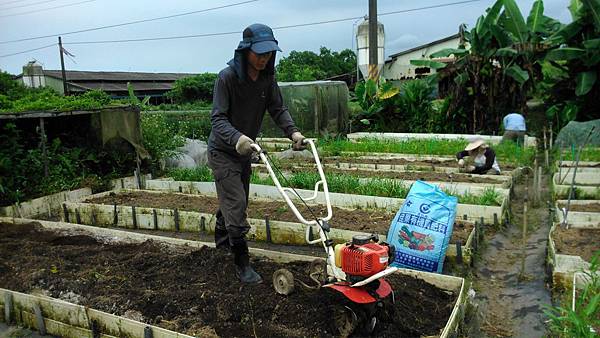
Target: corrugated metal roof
column 393, row 56
column 122, row 86
column 74, row 75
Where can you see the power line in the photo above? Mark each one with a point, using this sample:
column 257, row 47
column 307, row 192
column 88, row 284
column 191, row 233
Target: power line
column 46, row 9
column 129, row 23
column 274, row 28
column 27, row 5
column 29, row 50
column 12, row 2
column 238, row 32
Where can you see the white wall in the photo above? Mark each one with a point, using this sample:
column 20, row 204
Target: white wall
column 400, row 67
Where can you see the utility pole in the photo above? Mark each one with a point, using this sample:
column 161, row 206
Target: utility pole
column 373, row 42
column 62, row 67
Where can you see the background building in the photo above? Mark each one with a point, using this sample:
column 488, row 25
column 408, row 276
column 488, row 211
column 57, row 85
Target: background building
column 155, row 85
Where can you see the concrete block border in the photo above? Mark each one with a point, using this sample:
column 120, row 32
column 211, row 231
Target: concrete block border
column 562, row 267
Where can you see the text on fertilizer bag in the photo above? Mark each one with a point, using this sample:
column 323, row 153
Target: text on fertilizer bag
column 422, row 222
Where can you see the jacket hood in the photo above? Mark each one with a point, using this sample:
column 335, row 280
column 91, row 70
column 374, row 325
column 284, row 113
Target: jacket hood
column 254, row 35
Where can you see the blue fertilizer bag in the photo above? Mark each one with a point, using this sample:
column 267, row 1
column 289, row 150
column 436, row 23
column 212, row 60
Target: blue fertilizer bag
column 422, row 228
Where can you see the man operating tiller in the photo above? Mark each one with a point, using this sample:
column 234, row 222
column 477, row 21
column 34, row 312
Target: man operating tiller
column 243, row 92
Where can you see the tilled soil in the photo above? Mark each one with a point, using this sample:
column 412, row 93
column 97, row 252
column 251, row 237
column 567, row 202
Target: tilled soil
column 591, row 207
column 372, row 220
column 577, row 242
column 194, row 291
column 430, row 176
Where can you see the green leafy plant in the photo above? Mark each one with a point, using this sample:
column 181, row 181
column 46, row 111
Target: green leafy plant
column 161, row 139
column 377, row 101
column 193, row 88
column 23, row 168
column 309, row 66
column 134, row 100
column 197, row 174
column 584, row 319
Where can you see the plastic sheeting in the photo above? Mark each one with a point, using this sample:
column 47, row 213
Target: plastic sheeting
column 575, row 133
column 319, row 108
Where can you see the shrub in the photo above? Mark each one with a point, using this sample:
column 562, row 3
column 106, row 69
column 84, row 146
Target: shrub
column 193, row 88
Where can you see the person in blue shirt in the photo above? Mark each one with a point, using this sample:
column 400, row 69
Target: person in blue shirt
column 514, row 128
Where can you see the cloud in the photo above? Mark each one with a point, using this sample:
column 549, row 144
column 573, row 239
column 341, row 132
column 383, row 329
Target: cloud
column 405, row 41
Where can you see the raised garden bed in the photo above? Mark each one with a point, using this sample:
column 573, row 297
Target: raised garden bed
column 194, row 291
column 582, row 242
column 484, row 214
column 385, row 161
column 581, row 205
column 570, row 250
column 361, row 220
column 405, row 175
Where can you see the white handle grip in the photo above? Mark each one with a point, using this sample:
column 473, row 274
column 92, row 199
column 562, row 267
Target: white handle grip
column 284, row 191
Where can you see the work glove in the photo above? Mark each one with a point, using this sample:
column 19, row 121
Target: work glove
column 461, row 163
column 298, row 139
column 243, row 145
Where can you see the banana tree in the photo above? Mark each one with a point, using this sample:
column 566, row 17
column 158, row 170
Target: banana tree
column 576, row 50
column 376, row 101
column 498, row 64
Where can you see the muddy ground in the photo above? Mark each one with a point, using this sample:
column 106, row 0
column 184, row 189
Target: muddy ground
column 577, row 242
column 372, row 220
column 591, row 207
column 193, row 291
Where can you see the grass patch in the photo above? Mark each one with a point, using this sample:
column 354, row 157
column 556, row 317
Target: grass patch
column 587, row 154
column 340, row 183
column 198, row 174
column 506, row 152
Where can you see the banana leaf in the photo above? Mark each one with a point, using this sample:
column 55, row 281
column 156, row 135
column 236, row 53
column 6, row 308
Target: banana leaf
column 428, row 63
column 567, row 53
column 517, row 73
column 506, row 51
column 448, row 51
column 535, row 20
column 501, row 36
column 591, row 45
column 593, row 6
column 515, row 24
column 492, row 15
column 575, row 8
column 585, row 82
column 565, row 33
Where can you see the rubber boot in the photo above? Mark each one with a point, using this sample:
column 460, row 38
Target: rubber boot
column 222, row 240
column 244, row 271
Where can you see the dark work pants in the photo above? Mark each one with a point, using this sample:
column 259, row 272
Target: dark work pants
column 232, row 179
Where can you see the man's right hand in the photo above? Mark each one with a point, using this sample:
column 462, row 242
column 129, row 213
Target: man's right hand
column 461, row 163
column 243, row 145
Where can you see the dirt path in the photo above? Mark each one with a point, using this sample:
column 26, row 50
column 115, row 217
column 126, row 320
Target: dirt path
column 510, row 299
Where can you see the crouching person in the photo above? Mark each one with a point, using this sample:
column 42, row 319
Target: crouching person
column 482, row 157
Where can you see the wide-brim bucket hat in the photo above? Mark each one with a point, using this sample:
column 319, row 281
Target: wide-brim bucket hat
column 474, row 144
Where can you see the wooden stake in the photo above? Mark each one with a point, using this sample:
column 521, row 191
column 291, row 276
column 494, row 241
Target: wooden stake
column 524, row 237
column 546, row 149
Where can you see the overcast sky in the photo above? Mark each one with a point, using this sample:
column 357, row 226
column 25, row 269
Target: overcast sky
column 20, row 19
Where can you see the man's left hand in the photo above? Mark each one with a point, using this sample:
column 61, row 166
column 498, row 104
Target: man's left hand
column 298, row 140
